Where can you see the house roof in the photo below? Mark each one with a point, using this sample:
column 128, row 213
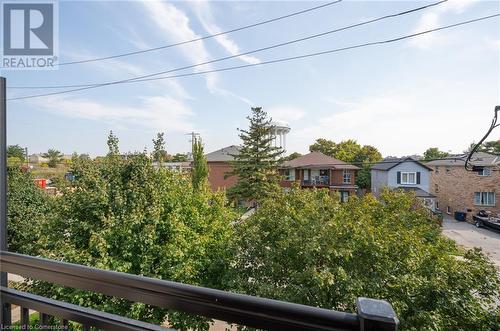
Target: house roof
column 223, row 154
column 317, row 160
column 478, row 159
column 418, row 192
column 389, row 163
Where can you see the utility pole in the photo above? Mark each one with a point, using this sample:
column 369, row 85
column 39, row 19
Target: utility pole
column 194, row 138
column 5, row 317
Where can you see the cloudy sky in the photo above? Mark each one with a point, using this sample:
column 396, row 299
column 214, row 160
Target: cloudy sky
column 437, row 90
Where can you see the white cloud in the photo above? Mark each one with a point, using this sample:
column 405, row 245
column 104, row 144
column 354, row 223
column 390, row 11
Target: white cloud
column 160, row 112
column 403, row 121
column 432, row 19
column 205, row 16
column 175, row 24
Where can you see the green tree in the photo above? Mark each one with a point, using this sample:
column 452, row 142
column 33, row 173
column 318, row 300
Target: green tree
column 434, row 153
column 180, row 157
column 492, row 147
column 125, row 215
column 199, row 172
column 113, row 144
column 292, row 156
column 324, row 146
column 306, row 247
column 257, row 163
column 159, row 154
column 29, row 212
column 54, row 156
column 16, row 151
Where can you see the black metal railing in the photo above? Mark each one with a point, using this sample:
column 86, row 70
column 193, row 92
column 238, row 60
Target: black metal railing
column 231, row 307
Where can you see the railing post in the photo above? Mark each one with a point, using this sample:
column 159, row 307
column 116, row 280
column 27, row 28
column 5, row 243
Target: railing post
column 376, row 315
column 5, row 308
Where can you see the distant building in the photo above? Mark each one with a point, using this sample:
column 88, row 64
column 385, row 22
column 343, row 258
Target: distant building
column 321, row 171
column 460, row 190
column 219, row 164
column 280, row 129
column 403, row 173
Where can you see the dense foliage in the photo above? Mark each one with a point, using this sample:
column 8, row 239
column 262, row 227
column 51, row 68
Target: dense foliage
column 123, row 214
column 433, row 153
column 306, row 247
column 16, row 151
column 199, row 172
column 303, row 246
column 352, row 152
column 257, row 162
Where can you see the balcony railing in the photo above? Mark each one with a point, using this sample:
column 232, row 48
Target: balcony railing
column 231, row 307
column 317, row 181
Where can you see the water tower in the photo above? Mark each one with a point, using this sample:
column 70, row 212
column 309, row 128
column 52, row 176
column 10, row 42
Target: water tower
column 280, row 130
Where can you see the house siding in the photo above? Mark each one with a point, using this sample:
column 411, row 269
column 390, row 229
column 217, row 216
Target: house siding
column 216, row 174
column 409, row 167
column 379, row 181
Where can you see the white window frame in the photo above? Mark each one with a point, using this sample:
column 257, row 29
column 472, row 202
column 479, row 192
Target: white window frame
column 482, row 172
column 407, row 182
column 448, row 210
column 483, row 198
column 346, row 175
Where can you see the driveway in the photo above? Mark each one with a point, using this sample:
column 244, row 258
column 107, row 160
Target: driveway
column 466, row 234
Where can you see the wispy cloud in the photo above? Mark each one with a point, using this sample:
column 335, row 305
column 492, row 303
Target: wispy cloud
column 160, row 112
column 175, row 25
column 432, row 19
column 206, row 18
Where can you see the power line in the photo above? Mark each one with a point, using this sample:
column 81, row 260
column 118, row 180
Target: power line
column 240, row 54
column 202, row 38
column 475, row 148
column 387, row 41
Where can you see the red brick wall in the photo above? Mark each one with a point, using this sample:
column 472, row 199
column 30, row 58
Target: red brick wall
column 337, row 177
column 216, row 173
column 455, row 188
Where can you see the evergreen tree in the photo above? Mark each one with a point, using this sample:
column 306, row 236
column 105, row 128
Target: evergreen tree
column 257, row 162
column 159, row 152
column 113, row 144
column 199, row 174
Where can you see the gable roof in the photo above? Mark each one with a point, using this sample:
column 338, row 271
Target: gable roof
column 317, row 160
column 223, row 154
column 478, row 159
column 389, row 163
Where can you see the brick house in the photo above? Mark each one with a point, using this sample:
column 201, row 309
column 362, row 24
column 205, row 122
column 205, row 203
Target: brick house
column 321, row 171
column 219, row 163
column 466, row 191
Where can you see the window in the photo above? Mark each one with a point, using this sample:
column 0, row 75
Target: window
column 289, row 175
column 347, row 176
column 437, row 169
column 484, row 198
column 437, row 205
column 408, row 178
column 448, row 210
column 436, row 188
column 486, row 171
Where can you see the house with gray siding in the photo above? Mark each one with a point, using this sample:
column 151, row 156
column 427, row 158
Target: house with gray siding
column 403, row 173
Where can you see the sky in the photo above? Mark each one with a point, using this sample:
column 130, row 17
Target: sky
column 436, row 90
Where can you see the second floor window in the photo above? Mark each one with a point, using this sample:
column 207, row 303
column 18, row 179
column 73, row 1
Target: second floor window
column 484, row 198
column 408, row 178
column 486, row 171
column 347, row 176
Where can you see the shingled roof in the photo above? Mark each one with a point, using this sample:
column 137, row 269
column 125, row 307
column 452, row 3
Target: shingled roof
column 478, row 159
column 317, row 160
column 389, row 163
column 223, row 154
